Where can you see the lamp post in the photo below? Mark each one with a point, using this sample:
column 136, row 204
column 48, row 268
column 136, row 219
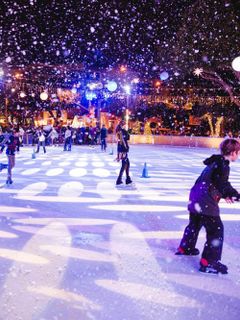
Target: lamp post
column 127, row 89
column 6, row 101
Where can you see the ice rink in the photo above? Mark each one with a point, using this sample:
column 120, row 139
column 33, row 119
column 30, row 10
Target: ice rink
column 75, row 247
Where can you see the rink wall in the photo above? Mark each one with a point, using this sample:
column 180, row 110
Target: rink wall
column 189, row 141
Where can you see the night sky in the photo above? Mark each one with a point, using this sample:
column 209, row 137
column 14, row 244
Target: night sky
column 148, row 36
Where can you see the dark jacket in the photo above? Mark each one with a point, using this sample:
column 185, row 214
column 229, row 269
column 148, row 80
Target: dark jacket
column 103, row 133
column 211, row 186
column 123, row 137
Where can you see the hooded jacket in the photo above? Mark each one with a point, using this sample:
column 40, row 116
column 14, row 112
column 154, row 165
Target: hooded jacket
column 211, row 186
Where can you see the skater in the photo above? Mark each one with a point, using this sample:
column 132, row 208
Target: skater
column 67, row 139
column 122, row 153
column 41, row 140
column 103, row 136
column 209, row 188
column 10, row 143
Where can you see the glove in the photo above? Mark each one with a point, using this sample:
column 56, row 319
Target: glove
column 236, row 198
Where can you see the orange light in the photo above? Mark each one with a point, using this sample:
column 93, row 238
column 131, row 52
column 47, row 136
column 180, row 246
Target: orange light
column 18, row 75
column 157, row 83
column 123, row 68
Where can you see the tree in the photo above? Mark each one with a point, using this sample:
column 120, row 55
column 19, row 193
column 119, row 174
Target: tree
column 206, row 44
column 226, row 84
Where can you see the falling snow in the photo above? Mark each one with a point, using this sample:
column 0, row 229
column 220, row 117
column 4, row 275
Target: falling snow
column 102, row 33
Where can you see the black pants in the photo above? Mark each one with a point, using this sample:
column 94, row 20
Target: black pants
column 103, row 144
column 67, row 144
column 125, row 167
column 41, row 143
column 212, row 251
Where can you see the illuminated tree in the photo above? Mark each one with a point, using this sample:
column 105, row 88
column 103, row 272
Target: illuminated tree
column 136, row 127
column 147, row 128
column 206, row 44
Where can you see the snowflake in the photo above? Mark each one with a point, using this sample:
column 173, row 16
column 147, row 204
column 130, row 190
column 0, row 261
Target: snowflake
column 198, row 71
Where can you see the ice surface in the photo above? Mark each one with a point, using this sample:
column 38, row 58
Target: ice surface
column 73, row 246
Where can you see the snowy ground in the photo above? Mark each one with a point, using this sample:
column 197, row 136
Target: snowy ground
column 73, row 246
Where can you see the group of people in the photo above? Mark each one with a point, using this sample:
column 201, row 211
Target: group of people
column 43, row 137
column 212, row 185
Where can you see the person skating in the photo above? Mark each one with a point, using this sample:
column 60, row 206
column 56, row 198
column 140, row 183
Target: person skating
column 67, row 139
column 11, row 144
column 41, row 140
column 122, row 153
column 209, row 188
column 103, row 137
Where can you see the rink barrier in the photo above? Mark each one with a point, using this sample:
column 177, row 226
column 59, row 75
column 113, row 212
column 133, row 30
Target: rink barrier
column 186, row 141
column 189, row 141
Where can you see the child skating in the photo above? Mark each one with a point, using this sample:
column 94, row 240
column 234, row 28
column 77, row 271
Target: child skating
column 209, row 188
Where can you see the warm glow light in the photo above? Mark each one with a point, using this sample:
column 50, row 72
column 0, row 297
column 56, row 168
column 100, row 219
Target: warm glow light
column 127, row 118
column 135, row 80
column 18, row 75
column 43, row 95
column 123, row 68
column 22, row 94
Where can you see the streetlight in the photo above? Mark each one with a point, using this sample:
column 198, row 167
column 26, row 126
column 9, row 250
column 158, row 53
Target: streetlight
column 6, row 98
column 127, row 89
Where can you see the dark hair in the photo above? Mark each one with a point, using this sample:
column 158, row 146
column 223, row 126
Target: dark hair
column 228, row 146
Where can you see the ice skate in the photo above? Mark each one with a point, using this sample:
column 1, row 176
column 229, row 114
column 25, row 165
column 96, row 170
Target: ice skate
column 128, row 181
column 187, row 252
column 119, row 182
column 214, row 267
column 9, row 181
